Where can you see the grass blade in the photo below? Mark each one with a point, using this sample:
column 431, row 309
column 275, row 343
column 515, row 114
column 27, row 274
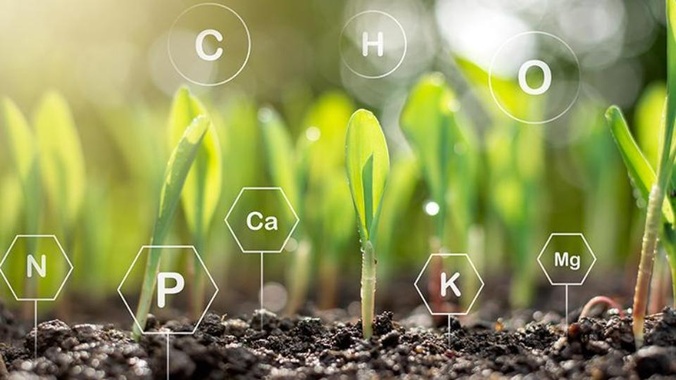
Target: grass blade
column 202, row 188
column 179, row 165
column 640, row 172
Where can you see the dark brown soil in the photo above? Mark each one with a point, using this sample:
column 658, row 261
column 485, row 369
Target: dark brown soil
column 313, row 348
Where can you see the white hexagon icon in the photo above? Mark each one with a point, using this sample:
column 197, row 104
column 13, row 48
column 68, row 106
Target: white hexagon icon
column 261, row 219
column 168, row 282
column 456, row 274
column 566, row 259
column 35, row 267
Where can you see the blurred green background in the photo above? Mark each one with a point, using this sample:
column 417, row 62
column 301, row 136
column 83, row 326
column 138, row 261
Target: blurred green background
column 109, row 61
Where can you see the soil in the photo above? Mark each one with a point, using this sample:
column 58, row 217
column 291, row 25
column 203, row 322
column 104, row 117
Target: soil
column 323, row 346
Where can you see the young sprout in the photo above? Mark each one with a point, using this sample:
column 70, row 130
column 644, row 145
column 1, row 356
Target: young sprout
column 288, row 171
column 202, row 188
column 368, row 165
column 515, row 156
column 652, row 187
column 24, row 154
column 62, row 170
column 659, row 214
column 179, row 165
column 432, row 125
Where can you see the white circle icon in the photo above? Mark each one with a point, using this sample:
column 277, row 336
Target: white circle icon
column 209, row 44
column 373, row 44
column 534, row 77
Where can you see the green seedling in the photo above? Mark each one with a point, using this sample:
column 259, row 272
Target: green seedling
column 175, row 175
column 432, row 125
column 368, row 165
column 62, row 169
column 307, row 172
column 24, row 154
column 652, row 186
column 329, row 223
column 289, row 172
column 598, row 169
column 515, row 157
column 202, row 188
column 61, row 161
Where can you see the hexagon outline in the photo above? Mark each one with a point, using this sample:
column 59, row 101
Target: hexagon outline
column 234, row 235
column 63, row 282
column 206, row 308
column 449, row 255
column 584, row 240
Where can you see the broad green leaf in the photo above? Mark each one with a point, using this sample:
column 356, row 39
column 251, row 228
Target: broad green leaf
column 281, row 158
column 368, row 164
column 649, row 112
column 641, row 174
column 175, row 175
column 202, row 188
column 61, row 159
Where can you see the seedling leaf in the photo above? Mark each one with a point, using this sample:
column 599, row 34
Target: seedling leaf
column 20, row 138
column 640, row 172
column 280, row 154
column 202, row 188
column 368, row 164
column 61, row 158
column 23, row 151
column 179, row 165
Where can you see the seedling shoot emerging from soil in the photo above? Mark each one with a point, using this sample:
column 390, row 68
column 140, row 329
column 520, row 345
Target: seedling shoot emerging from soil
column 652, row 186
column 368, row 165
column 175, row 176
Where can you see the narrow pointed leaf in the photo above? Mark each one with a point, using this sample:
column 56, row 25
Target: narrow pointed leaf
column 641, row 174
column 279, row 150
column 179, row 165
column 202, row 189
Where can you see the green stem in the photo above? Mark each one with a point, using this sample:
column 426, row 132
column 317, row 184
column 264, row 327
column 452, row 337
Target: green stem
column 645, row 268
column 152, row 269
column 199, row 286
column 673, row 283
column 368, row 288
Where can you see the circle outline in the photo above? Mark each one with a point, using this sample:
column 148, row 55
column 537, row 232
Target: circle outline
column 577, row 91
column 246, row 59
column 401, row 60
